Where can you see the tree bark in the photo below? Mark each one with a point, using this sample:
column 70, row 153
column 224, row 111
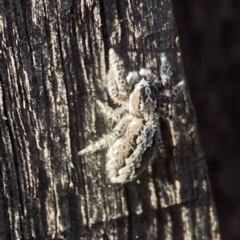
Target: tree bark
column 53, row 66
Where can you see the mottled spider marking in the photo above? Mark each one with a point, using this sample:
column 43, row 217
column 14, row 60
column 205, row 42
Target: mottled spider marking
column 164, row 83
column 131, row 154
column 143, row 100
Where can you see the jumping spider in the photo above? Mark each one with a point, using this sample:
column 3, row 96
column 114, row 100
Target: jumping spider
column 132, row 143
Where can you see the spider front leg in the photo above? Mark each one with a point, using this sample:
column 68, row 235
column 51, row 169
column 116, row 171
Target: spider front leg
column 117, row 85
column 174, row 94
column 169, row 99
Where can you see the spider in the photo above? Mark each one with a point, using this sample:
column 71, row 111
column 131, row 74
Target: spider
column 132, row 144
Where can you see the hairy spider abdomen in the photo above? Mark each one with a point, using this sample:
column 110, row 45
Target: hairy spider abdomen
column 129, row 155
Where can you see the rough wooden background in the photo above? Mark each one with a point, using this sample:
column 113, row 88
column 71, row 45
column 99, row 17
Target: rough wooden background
column 53, row 65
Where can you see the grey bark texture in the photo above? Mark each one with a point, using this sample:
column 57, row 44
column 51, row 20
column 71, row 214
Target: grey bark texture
column 53, row 66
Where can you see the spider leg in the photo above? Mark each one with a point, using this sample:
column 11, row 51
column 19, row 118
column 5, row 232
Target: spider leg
column 117, row 85
column 166, row 115
column 108, row 139
column 110, row 114
column 102, row 143
column 174, row 94
column 165, row 71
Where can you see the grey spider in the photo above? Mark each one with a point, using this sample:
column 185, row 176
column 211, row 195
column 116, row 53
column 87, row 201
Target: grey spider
column 132, row 143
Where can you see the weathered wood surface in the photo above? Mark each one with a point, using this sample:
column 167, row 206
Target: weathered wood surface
column 53, row 65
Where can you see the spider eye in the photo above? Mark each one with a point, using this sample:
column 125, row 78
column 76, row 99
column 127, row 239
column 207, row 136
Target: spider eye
column 148, row 90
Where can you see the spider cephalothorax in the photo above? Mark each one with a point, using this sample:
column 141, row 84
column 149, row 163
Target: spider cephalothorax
column 133, row 141
column 143, row 99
